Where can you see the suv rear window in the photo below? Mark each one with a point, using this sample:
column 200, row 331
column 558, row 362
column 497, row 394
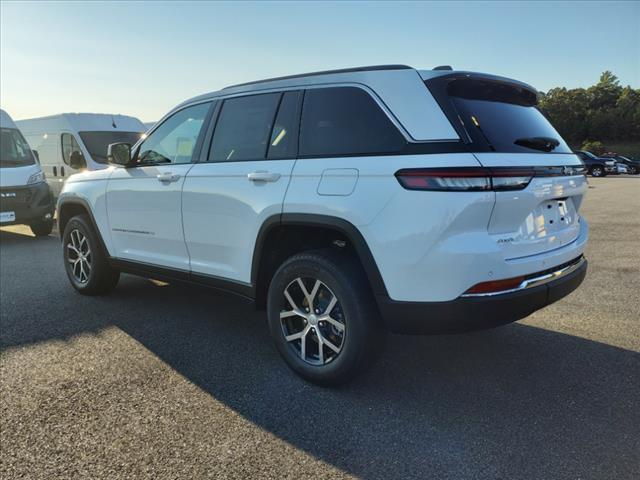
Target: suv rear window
column 345, row 121
column 504, row 116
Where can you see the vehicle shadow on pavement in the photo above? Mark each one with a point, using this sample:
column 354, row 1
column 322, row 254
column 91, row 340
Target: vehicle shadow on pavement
column 514, row 402
column 518, row 400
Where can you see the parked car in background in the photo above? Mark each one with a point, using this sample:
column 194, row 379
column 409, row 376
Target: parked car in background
column 597, row 166
column 68, row 142
column 343, row 202
column 621, row 168
column 633, row 166
column 25, row 197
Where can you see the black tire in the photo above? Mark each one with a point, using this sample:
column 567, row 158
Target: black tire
column 42, row 228
column 362, row 336
column 100, row 277
column 597, row 171
column 632, row 170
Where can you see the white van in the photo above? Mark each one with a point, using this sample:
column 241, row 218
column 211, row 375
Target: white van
column 25, row 197
column 84, row 135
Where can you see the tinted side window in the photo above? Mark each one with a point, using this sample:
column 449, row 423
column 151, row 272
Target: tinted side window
column 345, row 121
column 284, row 135
column 69, row 145
column 175, row 139
column 244, row 128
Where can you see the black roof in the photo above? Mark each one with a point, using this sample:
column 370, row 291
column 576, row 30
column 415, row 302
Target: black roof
column 326, row 72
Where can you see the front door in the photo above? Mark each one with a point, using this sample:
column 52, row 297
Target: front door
column 144, row 201
column 242, row 182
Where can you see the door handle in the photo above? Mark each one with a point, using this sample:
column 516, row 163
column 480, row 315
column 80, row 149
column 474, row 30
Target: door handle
column 168, row 177
column 263, row 176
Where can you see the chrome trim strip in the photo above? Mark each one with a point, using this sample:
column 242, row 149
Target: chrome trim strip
column 535, row 281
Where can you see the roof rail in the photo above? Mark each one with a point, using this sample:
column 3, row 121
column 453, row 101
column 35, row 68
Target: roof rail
column 326, row 72
column 443, row 67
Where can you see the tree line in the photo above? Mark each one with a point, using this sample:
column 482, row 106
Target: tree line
column 592, row 118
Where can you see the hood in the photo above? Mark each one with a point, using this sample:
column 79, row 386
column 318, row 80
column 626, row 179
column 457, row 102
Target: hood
column 17, row 176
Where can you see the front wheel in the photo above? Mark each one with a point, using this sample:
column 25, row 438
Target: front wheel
column 323, row 317
column 632, row 170
column 85, row 260
column 42, row 228
column 597, row 171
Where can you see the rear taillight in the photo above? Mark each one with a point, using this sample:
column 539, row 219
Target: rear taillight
column 469, row 179
column 463, row 179
column 460, row 179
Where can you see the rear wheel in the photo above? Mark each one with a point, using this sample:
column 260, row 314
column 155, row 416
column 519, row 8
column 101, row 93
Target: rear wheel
column 85, row 260
column 597, row 171
column 42, row 228
column 323, row 317
column 632, row 170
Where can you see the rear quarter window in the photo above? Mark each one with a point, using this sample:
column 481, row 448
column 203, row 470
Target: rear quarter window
column 345, row 121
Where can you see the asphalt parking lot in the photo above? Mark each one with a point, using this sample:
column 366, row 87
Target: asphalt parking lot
column 174, row 381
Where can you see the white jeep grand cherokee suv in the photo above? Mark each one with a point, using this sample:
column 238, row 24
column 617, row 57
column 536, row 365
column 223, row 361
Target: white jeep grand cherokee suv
column 346, row 203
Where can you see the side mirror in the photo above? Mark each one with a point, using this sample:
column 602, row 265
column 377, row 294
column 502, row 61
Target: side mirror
column 76, row 160
column 119, row 154
column 37, row 155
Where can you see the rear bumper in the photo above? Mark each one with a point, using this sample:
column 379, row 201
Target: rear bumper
column 476, row 313
column 29, row 203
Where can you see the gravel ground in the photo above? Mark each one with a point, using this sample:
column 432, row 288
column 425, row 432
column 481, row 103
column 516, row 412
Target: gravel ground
column 172, row 381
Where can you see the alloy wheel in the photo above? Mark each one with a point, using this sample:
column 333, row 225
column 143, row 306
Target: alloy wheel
column 312, row 320
column 79, row 256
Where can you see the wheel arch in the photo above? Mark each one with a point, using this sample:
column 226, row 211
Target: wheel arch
column 265, row 262
column 69, row 208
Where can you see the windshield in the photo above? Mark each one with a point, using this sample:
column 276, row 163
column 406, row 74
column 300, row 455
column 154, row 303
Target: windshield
column 505, row 117
column 14, row 149
column 97, row 142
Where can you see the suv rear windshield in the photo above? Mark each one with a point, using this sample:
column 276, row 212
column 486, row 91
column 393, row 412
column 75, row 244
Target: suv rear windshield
column 97, row 142
column 14, row 149
column 504, row 116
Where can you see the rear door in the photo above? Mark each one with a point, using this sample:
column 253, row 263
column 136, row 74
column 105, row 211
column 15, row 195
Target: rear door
column 144, row 202
column 511, row 135
column 240, row 182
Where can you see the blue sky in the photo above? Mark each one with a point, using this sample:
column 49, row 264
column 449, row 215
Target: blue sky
column 143, row 58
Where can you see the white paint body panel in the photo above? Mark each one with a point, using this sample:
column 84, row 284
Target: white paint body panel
column 6, row 121
column 91, row 189
column 223, row 212
column 17, row 176
column 433, row 246
column 145, row 215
